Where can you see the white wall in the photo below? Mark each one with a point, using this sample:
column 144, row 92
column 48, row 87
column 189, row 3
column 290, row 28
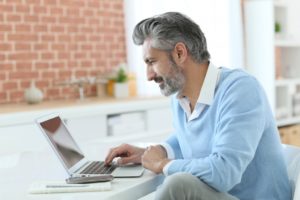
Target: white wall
column 259, row 34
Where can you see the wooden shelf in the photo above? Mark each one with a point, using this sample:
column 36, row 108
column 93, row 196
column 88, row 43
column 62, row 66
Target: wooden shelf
column 288, row 121
column 287, row 43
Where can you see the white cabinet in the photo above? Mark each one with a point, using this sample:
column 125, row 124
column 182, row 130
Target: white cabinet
column 119, row 121
column 287, row 62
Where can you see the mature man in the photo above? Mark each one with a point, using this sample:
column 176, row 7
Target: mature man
column 225, row 144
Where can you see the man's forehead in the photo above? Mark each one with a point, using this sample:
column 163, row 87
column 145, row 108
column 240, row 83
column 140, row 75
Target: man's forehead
column 147, row 48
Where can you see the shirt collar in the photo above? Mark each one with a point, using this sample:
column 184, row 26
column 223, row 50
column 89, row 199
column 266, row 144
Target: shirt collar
column 208, row 88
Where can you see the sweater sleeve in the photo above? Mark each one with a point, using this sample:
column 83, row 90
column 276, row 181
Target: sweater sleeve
column 239, row 128
column 172, row 143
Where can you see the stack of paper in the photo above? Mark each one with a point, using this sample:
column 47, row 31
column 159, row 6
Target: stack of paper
column 62, row 187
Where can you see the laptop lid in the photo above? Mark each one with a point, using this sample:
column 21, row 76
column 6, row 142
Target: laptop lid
column 61, row 141
column 67, row 150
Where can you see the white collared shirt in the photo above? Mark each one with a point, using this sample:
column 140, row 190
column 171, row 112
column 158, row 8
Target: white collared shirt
column 206, row 95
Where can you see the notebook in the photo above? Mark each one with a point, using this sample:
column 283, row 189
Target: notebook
column 70, row 155
column 45, row 187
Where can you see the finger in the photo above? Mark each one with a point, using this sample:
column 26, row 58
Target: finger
column 125, row 160
column 121, row 150
column 115, row 152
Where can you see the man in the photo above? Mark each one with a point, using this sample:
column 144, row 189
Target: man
column 225, row 144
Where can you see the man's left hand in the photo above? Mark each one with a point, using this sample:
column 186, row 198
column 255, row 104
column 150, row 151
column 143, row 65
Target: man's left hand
column 155, row 158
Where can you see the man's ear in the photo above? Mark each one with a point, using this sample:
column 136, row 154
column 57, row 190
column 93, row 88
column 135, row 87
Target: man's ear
column 180, row 53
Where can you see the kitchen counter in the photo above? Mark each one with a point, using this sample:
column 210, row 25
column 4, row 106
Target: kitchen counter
column 18, row 114
column 55, row 104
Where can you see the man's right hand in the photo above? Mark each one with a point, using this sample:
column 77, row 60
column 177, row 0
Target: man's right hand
column 126, row 154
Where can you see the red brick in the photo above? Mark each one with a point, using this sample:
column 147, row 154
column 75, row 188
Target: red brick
column 64, row 55
column 73, row 12
column 54, row 92
column 13, row 18
column 47, row 56
column 48, row 38
column 56, row 65
column 40, row 9
column 22, row 46
column 42, row 83
column 33, row 2
column 40, row 46
column 58, row 29
column 41, row 65
column 24, row 66
column 2, row 75
column 6, row 66
column 3, row 97
column 31, row 18
column 58, row 47
column 50, row 2
column 10, row 85
column 6, row 27
column 23, row 75
column 72, row 28
column 86, row 63
column 4, row 8
column 22, row 56
column 5, row 47
column 48, row 19
column 22, row 37
column 40, row 28
column 15, row 1
column 22, row 8
column 80, row 55
column 85, row 47
column 56, row 11
column 2, row 57
column 65, row 38
column 48, row 75
column 64, row 74
column 16, row 96
column 22, row 28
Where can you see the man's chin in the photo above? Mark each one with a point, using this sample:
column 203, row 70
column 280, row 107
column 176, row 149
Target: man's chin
column 167, row 93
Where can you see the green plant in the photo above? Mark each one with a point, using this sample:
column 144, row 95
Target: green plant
column 121, row 76
column 277, row 27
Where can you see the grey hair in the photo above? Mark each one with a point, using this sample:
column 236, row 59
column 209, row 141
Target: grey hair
column 167, row 29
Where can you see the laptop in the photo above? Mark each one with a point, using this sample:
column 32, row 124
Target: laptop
column 72, row 158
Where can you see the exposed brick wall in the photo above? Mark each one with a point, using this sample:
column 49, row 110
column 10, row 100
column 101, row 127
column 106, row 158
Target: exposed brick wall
column 49, row 41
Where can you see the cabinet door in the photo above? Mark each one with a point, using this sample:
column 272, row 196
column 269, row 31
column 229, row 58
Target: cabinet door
column 87, row 128
column 159, row 119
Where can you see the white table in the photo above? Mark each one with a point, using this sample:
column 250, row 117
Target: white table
column 35, row 161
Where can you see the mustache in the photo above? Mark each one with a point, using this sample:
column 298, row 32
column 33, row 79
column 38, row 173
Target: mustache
column 158, row 79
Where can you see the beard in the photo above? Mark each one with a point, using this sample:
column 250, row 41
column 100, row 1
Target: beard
column 174, row 82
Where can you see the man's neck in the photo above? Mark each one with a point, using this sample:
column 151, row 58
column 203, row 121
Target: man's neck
column 195, row 75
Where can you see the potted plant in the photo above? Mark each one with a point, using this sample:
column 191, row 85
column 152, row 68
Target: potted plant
column 121, row 89
column 278, row 29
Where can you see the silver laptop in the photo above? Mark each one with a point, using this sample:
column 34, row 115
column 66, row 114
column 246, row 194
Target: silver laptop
column 70, row 155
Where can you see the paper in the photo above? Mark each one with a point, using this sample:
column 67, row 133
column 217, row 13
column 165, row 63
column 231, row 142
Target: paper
column 62, row 187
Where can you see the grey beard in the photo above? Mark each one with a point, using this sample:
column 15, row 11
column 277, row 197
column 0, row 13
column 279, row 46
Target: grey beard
column 172, row 85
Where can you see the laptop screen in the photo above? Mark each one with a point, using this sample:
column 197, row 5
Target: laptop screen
column 62, row 141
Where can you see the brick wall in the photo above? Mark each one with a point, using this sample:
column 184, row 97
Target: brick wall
column 50, row 41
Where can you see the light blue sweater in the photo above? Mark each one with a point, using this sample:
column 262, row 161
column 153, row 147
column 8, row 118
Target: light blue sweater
column 234, row 144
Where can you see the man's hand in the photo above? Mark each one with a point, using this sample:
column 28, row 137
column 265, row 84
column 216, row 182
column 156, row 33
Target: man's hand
column 126, row 153
column 155, row 158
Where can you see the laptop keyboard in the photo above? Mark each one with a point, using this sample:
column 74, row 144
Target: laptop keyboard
column 96, row 167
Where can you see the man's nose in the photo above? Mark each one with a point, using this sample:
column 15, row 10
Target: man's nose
column 150, row 73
